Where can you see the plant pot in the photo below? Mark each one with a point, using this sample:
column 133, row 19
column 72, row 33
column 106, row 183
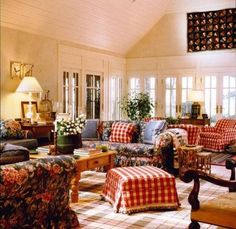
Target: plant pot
column 67, row 143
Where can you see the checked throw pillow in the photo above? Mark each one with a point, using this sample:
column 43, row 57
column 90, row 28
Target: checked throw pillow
column 122, row 132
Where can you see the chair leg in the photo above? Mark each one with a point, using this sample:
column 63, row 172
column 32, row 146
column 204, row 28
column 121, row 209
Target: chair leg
column 194, row 225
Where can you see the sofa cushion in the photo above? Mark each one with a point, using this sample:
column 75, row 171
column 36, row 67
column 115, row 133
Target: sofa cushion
column 11, row 153
column 91, row 130
column 30, row 143
column 153, row 128
column 122, row 132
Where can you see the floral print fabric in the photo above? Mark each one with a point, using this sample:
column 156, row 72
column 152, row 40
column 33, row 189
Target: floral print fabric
column 10, row 129
column 35, row 194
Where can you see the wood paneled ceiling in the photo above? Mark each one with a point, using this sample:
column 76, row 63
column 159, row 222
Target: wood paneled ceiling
column 113, row 25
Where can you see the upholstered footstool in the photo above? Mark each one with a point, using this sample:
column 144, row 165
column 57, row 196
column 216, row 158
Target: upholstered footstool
column 133, row 189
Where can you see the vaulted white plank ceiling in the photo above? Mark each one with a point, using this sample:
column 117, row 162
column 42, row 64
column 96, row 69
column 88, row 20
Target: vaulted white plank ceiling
column 113, row 25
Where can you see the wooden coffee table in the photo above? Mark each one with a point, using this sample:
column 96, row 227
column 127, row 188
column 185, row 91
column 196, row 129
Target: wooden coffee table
column 85, row 163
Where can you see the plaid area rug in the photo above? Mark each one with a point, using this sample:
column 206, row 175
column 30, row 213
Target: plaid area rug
column 95, row 213
column 219, row 158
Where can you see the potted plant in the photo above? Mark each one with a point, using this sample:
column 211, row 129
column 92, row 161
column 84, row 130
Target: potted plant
column 69, row 133
column 137, row 106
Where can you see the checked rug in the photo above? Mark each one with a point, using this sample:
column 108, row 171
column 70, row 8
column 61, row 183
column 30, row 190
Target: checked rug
column 94, row 213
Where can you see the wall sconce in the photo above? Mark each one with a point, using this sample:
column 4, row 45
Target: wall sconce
column 18, row 69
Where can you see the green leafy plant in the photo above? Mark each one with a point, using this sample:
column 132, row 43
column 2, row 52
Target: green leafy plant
column 136, row 106
column 172, row 120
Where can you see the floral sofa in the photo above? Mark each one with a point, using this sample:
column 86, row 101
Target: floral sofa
column 135, row 152
column 161, row 152
column 35, row 194
column 11, row 132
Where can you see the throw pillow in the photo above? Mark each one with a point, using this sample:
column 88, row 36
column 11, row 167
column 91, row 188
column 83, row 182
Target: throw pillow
column 122, row 132
column 104, row 130
column 153, row 128
column 90, row 131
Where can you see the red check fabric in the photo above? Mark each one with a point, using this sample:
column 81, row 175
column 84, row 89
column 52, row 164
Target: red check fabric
column 133, row 189
column 193, row 131
column 216, row 138
column 122, row 132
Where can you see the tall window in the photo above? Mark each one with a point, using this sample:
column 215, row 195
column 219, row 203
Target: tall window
column 150, row 86
column 135, row 86
column 210, row 97
column 115, row 97
column 75, row 95
column 229, row 97
column 93, row 90
column 170, row 103
column 71, row 93
column 187, row 85
column 66, row 92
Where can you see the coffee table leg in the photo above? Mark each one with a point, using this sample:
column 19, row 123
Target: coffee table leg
column 75, row 188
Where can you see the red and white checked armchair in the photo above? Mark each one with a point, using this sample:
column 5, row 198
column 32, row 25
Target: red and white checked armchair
column 217, row 137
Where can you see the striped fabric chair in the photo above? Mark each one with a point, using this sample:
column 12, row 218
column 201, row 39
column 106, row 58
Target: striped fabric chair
column 216, row 138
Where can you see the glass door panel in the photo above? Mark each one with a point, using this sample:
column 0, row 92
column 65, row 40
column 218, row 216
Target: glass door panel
column 187, row 86
column 150, row 88
column 93, row 96
column 229, row 97
column 170, row 94
column 135, row 86
column 210, row 98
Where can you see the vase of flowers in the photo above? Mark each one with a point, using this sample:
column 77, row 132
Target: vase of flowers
column 69, row 134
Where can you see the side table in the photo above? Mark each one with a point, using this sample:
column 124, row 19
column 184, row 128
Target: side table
column 204, row 161
column 187, row 156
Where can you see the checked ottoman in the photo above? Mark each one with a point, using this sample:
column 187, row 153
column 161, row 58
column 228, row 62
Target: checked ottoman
column 134, row 189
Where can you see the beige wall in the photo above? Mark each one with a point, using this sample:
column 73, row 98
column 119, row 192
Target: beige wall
column 26, row 48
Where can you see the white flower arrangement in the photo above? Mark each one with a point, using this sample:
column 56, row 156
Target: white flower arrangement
column 67, row 126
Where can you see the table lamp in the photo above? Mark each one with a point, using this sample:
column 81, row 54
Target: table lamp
column 30, row 85
column 196, row 96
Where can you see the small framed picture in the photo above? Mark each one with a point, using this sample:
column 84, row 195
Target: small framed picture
column 27, row 69
column 15, row 69
column 27, row 112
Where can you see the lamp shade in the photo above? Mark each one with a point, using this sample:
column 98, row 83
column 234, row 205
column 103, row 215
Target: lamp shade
column 196, row 96
column 29, row 84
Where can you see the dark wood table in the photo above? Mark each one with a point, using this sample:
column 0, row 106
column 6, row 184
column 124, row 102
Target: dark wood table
column 39, row 130
column 198, row 122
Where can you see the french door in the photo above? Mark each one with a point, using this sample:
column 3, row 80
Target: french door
column 220, row 96
column 176, row 91
column 146, row 83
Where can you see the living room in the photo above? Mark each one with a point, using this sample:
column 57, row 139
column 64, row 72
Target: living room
column 120, row 47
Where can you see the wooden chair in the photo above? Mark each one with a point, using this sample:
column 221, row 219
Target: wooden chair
column 220, row 211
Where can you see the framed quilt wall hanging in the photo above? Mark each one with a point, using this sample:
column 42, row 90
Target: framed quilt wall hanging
column 211, row 30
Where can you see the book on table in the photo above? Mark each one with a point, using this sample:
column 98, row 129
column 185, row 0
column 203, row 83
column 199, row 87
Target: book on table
column 42, row 149
column 85, row 152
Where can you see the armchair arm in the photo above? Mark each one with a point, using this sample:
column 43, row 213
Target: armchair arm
column 229, row 134
column 195, row 175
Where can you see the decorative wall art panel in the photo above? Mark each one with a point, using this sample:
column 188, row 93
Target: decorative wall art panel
column 211, row 30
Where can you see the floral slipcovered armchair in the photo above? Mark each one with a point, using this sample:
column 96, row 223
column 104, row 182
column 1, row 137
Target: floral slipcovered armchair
column 35, row 194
